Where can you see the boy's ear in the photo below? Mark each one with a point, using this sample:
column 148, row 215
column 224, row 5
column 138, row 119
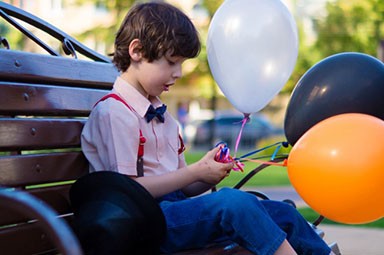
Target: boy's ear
column 135, row 50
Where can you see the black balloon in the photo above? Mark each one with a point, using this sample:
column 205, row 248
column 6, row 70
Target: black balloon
column 347, row 82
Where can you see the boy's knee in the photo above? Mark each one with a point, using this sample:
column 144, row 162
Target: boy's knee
column 289, row 209
column 282, row 212
column 230, row 194
column 235, row 199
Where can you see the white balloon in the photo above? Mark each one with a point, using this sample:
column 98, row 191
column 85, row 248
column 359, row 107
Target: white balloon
column 252, row 48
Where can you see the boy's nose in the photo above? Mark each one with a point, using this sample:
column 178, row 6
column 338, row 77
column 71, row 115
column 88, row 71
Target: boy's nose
column 177, row 72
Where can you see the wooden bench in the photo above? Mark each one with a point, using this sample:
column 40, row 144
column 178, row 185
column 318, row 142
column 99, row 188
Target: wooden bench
column 44, row 102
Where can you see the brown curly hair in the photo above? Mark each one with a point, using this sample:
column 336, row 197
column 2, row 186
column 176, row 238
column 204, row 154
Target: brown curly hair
column 161, row 28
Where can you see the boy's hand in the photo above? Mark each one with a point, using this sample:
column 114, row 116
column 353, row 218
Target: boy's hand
column 211, row 171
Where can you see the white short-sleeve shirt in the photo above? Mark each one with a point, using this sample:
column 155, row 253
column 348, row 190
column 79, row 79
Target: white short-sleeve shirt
column 110, row 138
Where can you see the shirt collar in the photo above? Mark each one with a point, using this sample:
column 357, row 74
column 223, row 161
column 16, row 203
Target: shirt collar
column 133, row 97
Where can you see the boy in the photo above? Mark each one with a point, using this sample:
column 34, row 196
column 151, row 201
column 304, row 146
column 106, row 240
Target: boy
column 150, row 47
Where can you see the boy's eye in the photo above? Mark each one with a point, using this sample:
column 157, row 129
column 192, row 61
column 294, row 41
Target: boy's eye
column 170, row 62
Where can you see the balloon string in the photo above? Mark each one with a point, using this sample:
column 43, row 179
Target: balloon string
column 245, row 119
column 285, row 144
column 267, row 162
column 275, row 152
column 238, row 165
column 223, row 154
column 278, row 146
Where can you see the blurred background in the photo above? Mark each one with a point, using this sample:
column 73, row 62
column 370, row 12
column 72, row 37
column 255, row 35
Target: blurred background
column 205, row 115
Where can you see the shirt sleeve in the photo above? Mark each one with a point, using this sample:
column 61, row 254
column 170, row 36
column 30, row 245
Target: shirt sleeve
column 114, row 133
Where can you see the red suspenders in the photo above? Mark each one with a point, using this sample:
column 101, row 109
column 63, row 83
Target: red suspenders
column 140, row 151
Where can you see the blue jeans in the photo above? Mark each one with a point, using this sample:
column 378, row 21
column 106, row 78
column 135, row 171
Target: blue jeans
column 259, row 226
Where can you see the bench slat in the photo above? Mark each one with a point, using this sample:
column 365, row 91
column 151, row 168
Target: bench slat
column 25, row 66
column 27, row 134
column 32, row 99
column 23, row 170
column 24, row 240
column 57, row 231
column 56, row 197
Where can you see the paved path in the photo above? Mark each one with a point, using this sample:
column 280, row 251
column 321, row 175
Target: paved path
column 355, row 240
column 351, row 240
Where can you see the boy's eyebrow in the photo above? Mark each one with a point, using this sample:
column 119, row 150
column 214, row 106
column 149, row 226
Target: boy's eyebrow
column 175, row 58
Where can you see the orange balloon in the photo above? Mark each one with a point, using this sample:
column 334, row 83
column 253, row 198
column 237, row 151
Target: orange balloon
column 337, row 167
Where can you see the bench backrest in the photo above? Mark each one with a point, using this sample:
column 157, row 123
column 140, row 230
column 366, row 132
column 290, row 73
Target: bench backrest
column 44, row 102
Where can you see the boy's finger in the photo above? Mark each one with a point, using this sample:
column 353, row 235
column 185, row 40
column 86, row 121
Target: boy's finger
column 232, row 164
column 228, row 166
column 213, row 152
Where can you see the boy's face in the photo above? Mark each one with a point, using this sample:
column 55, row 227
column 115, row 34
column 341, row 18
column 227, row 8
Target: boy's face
column 153, row 78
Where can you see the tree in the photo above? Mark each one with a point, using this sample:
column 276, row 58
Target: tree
column 118, row 9
column 351, row 25
column 307, row 56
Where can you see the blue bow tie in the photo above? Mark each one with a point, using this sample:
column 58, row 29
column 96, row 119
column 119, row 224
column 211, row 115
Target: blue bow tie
column 158, row 112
